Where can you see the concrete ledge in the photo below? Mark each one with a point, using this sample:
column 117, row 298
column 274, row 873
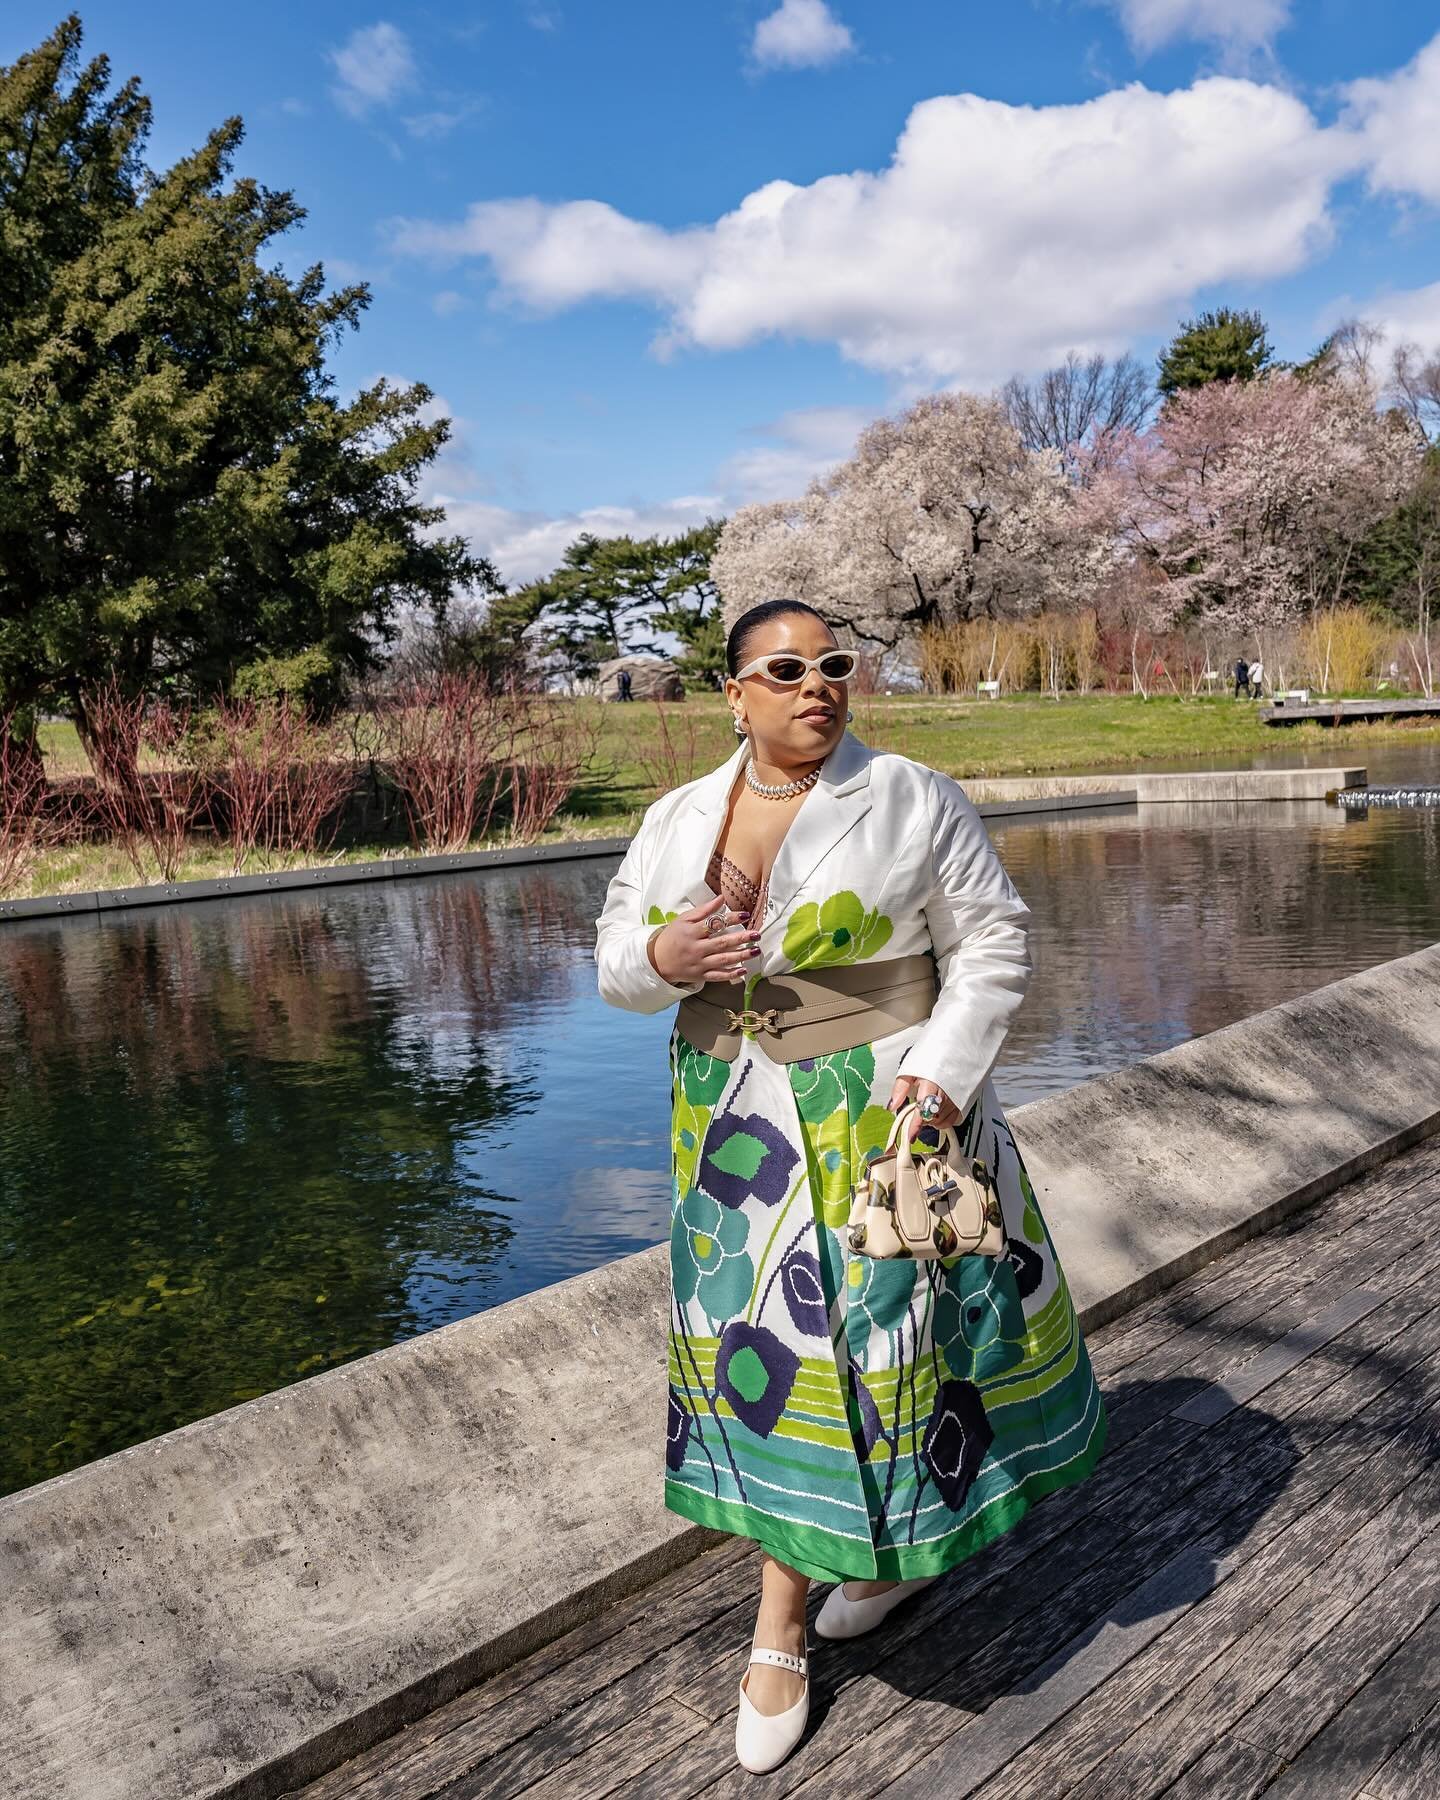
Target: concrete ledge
column 238, row 1605
column 1198, row 784
column 1053, row 803
column 162, row 893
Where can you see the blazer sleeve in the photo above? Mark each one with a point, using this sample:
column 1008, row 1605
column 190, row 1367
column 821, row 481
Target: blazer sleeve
column 627, row 977
column 979, row 930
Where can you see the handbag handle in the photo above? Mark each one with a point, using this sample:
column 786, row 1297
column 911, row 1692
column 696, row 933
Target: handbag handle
column 949, row 1136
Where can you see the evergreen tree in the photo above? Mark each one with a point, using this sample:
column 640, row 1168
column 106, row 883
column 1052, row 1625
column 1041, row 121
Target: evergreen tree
column 183, row 499
column 1221, row 345
column 611, row 595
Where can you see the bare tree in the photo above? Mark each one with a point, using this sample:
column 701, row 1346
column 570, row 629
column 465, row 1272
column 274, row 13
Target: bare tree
column 1069, row 404
column 1415, row 386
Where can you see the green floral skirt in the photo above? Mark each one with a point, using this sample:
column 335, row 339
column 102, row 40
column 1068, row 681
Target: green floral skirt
column 859, row 1417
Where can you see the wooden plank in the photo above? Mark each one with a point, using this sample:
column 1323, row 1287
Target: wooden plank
column 1229, row 1770
column 1293, row 1502
column 936, row 1622
column 602, row 1769
column 1412, row 1769
column 1323, row 1681
column 1216, row 1696
column 1250, row 1296
column 1172, row 1688
column 1213, row 1402
column 953, row 1606
column 486, row 1719
column 970, row 1756
column 1322, row 1224
column 1335, row 712
column 1357, row 1741
column 1293, row 1395
column 1157, row 1317
column 1144, row 1399
column 491, row 1758
column 1254, row 1319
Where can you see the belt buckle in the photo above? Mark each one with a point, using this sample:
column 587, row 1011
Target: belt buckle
column 750, row 1020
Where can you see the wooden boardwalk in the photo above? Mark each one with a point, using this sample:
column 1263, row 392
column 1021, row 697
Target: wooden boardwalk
column 1340, row 712
column 1242, row 1599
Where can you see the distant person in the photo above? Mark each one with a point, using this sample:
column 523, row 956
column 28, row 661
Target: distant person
column 623, row 683
column 1257, row 677
column 1242, row 677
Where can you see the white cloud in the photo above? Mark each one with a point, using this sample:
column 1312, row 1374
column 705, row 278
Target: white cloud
column 1398, row 120
column 800, row 34
column 525, row 545
column 440, row 122
column 1235, row 24
column 998, row 237
column 447, row 301
column 799, row 446
column 374, row 66
column 1402, row 316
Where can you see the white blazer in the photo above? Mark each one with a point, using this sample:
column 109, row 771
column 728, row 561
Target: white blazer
column 884, row 857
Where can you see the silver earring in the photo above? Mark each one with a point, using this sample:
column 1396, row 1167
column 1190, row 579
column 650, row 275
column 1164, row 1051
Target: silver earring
column 739, row 728
column 850, row 714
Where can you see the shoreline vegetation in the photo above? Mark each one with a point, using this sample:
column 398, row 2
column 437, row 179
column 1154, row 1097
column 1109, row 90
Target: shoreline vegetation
column 643, row 749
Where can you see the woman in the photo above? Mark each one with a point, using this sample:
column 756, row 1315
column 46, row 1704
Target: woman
column 871, row 1422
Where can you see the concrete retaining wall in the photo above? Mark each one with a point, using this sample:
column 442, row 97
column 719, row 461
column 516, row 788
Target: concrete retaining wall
column 1197, row 784
column 165, row 893
column 240, row 1604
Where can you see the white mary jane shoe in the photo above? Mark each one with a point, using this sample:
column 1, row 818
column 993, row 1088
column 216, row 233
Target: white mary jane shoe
column 764, row 1740
column 842, row 1617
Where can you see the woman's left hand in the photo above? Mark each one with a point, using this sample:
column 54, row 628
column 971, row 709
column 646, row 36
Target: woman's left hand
column 914, row 1088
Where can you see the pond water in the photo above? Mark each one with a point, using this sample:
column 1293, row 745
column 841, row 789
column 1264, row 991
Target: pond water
column 242, row 1142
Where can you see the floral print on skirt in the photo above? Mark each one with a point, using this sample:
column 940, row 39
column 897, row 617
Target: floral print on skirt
column 859, row 1417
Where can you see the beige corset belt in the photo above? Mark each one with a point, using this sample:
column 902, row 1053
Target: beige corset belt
column 792, row 1017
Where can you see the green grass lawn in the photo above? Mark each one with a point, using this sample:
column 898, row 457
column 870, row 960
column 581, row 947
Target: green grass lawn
column 1022, row 734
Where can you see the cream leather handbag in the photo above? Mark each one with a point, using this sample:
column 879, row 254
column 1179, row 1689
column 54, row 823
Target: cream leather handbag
column 926, row 1203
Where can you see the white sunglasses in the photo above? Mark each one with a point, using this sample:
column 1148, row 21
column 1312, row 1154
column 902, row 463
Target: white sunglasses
column 790, row 670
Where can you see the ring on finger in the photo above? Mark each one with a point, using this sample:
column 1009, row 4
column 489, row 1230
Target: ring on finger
column 929, row 1106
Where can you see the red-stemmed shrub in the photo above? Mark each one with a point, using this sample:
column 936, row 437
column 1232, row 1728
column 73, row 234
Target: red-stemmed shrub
column 278, row 780
column 155, row 809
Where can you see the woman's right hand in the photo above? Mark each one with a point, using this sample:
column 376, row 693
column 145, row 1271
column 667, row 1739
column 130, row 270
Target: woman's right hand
column 687, row 950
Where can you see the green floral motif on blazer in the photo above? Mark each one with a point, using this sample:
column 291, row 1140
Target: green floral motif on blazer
column 838, row 930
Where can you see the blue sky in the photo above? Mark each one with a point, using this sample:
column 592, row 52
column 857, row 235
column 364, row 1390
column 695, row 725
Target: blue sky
column 659, row 260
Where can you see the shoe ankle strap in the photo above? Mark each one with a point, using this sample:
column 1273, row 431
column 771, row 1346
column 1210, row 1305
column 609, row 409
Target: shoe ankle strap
column 780, row 1658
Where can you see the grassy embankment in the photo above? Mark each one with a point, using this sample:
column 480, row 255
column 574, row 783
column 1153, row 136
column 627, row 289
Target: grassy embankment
column 1023, row 734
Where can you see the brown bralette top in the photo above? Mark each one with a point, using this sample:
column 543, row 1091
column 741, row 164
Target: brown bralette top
column 740, row 892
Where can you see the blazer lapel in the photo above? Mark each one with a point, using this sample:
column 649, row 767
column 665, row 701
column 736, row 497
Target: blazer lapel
column 838, row 800
column 696, row 826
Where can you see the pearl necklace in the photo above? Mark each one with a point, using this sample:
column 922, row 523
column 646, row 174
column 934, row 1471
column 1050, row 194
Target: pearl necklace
column 780, row 790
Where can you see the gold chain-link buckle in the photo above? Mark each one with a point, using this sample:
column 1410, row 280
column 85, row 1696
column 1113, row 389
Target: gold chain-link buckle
column 749, row 1020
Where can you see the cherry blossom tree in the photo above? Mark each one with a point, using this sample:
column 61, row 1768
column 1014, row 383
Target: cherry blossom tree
column 942, row 513
column 1248, row 499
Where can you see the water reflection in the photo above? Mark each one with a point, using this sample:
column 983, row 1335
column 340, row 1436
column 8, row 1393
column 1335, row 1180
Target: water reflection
column 243, row 1142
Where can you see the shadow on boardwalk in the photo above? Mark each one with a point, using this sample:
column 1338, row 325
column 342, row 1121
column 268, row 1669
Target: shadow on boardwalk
column 1240, row 1600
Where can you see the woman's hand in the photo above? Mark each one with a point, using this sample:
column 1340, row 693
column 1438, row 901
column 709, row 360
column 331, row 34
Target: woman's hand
column 687, row 950
column 914, row 1088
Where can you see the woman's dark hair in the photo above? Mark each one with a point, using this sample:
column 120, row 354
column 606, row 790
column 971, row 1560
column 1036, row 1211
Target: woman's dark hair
column 741, row 630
